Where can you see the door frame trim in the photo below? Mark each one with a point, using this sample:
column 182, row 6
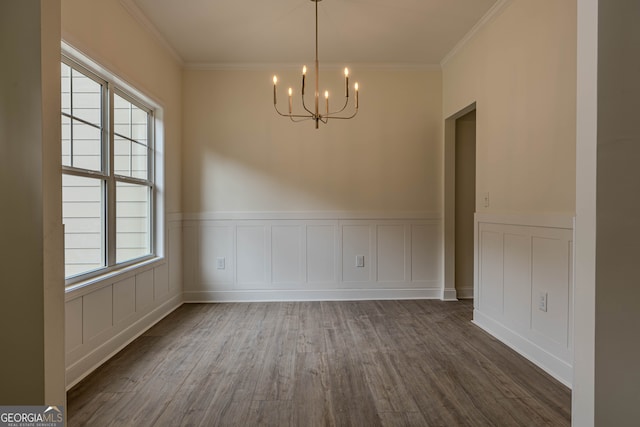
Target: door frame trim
column 449, row 291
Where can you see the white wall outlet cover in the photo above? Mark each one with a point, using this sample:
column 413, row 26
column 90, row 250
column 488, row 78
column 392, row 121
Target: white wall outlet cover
column 359, row 260
column 220, row 263
column 542, row 301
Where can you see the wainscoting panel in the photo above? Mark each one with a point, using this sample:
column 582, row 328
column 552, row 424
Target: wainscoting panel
column 491, row 272
column 105, row 315
column 97, row 313
column 175, row 253
column 426, row 252
column 550, row 277
column 525, row 286
column 144, row 290
column 321, row 253
column 251, row 253
column 288, row 252
column 313, row 256
column 73, row 325
column 216, row 242
column 356, row 241
column 124, row 300
column 517, row 273
column 392, row 259
column 160, row 281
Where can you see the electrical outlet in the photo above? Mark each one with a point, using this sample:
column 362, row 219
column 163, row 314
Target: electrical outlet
column 486, row 199
column 542, row 301
column 220, row 263
column 359, row 260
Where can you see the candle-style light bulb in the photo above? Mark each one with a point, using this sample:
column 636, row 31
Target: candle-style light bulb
column 304, row 74
column 275, row 81
column 346, row 82
column 290, row 100
column 356, row 87
column 326, row 99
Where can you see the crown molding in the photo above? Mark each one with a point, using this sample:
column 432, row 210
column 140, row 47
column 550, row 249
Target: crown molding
column 491, row 14
column 137, row 13
column 206, row 66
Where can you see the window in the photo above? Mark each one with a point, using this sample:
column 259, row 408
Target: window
column 107, row 174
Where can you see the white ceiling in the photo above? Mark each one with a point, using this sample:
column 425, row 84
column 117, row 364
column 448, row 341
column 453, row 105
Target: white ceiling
column 225, row 32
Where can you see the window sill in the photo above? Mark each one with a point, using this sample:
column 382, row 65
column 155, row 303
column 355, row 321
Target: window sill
column 88, row 286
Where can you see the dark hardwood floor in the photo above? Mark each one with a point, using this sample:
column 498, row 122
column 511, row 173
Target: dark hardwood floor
column 365, row 363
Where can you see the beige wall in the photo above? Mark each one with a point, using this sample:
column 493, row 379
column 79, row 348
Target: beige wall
column 240, row 156
column 108, row 34
column 521, row 71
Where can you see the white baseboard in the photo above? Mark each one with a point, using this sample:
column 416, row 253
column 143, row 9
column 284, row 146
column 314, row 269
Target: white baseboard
column 77, row 371
column 449, row 295
column 310, row 295
column 465, row 293
column 557, row 368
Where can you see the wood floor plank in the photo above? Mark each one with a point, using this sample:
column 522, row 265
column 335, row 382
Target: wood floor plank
column 439, row 404
column 402, row 419
column 233, row 414
column 386, row 385
column 369, row 363
column 312, row 404
column 275, row 380
column 352, row 401
column 267, row 413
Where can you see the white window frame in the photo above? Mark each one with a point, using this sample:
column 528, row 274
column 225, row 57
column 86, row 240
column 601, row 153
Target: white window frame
column 112, row 84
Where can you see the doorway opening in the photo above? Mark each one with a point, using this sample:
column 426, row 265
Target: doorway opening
column 460, row 204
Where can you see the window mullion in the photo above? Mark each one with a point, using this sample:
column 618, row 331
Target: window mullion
column 71, row 71
column 151, row 176
column 111, row 183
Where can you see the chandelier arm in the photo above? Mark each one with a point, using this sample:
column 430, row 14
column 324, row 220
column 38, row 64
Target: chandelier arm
column 306, row 116
column 278, row 111
column 346, row 102
column 305, row 107
column 304, row 119
column 343, row 117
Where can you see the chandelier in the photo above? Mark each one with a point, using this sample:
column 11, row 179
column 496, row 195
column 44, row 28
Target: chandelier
column 315, row 114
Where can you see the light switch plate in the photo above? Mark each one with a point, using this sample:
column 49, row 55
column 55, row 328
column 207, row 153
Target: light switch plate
column 220, row 263
column 359, row 260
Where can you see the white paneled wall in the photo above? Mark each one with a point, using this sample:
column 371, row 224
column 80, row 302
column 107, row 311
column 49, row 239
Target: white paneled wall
column 524, row 292
column 104, row 316
column 245, row 258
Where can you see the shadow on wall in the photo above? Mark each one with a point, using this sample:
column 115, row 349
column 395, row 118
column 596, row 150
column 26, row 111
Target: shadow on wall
column 241, row 156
